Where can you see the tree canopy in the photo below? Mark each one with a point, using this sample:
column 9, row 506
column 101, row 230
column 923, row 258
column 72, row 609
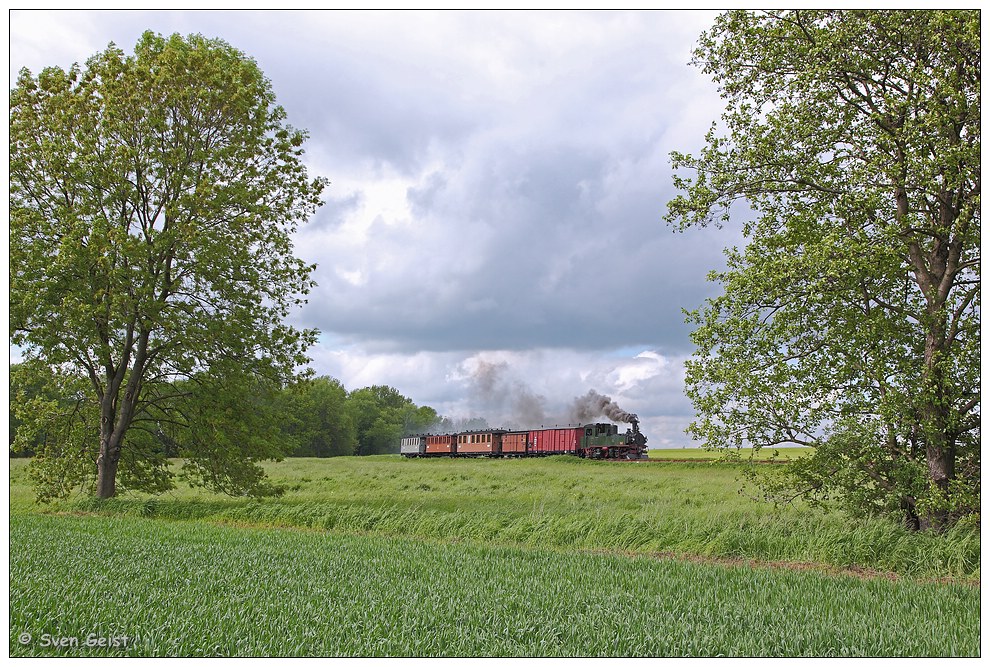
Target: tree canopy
column 850, row 322
column 152, row 201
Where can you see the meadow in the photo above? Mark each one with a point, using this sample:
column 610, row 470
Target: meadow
column 559, row 556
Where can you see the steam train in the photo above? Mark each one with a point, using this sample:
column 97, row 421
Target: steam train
column 592, row 441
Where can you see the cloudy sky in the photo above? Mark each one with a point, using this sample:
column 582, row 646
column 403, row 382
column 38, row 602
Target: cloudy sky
column 493, row 228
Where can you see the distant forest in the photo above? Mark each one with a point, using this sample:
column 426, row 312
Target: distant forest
column 318, row 417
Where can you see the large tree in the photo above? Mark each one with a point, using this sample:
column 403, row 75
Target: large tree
column 850, row 321
column 152, row 201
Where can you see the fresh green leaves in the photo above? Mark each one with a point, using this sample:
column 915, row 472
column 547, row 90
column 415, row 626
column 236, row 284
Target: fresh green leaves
column 851, row 319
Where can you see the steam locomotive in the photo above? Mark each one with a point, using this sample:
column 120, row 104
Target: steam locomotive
column 592, row 441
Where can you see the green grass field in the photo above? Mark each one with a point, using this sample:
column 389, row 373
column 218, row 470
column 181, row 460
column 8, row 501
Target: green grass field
column 187, row 588
column 559, row 556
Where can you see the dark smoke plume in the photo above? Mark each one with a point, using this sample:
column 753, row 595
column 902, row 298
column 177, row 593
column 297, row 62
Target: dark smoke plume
column 593, row 405
column 498, row 393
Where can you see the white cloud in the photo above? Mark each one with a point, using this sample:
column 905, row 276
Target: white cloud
column 42, row 38
column 649, row 383
column 645, row 366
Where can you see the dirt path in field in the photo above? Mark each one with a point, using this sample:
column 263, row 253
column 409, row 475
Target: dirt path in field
column 821, row 568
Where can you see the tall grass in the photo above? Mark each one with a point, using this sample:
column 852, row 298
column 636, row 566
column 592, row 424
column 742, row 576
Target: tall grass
column 187, row 588
column 560, row 502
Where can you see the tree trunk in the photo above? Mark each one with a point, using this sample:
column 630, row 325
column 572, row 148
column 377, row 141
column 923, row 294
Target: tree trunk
column 935, row 418
column 934, row 272
column 109, row 457
column 116, row 416
column 911, row 519
column 941, row 469
column 106, row 470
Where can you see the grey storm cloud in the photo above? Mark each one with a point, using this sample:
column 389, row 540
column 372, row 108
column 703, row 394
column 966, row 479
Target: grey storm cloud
column 541, row 248
column 538, row 222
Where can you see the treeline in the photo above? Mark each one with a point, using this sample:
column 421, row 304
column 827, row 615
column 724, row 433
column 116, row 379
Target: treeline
column 317, row 417
column 321, row 418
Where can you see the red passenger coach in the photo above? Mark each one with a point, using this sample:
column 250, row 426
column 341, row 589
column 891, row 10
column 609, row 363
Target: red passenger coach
column 555, row 441
column 480, row 443
column 440, row 445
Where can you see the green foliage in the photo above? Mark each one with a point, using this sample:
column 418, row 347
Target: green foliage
column 382, row 416
column 152, row 202
column 960, row 502
column 57, row 423
column 231, row 425
column 311, row 417
column 186, row 589
column 314, row 414
column 850, row 322
column 849, row 470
